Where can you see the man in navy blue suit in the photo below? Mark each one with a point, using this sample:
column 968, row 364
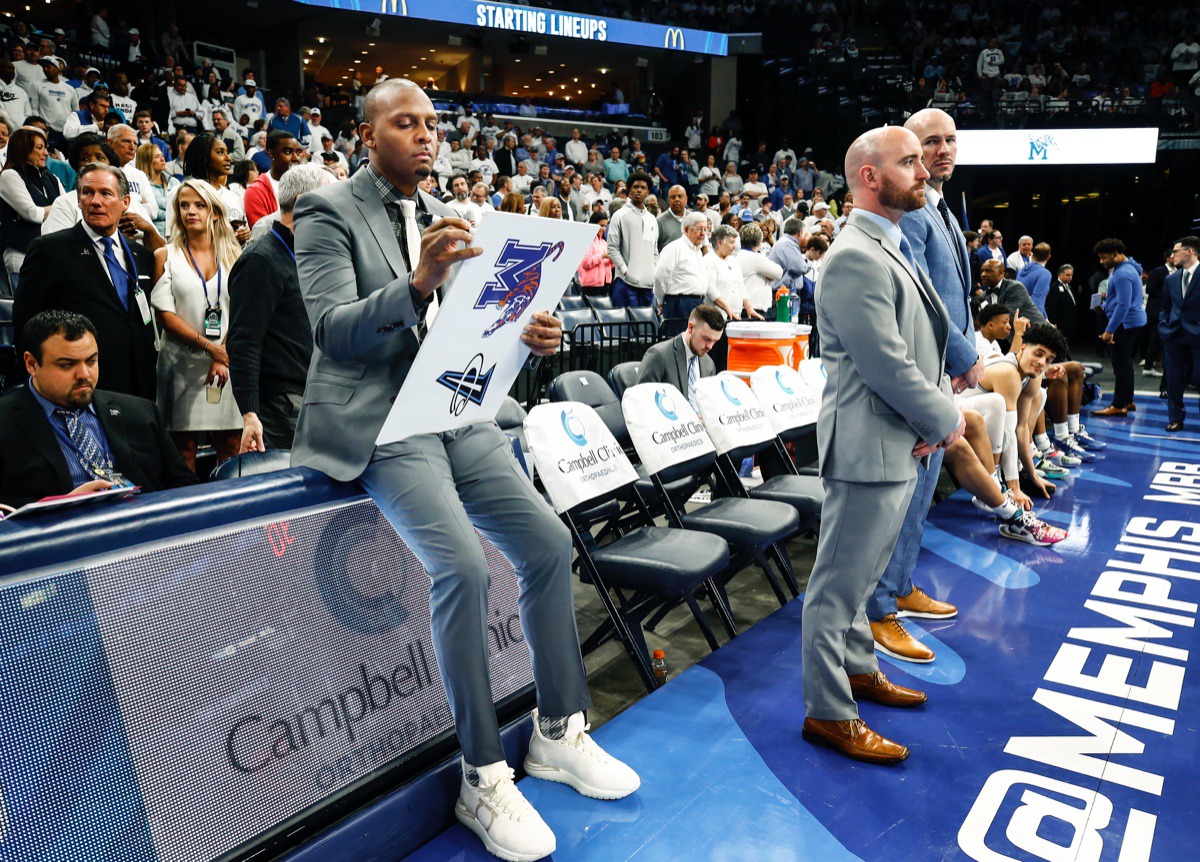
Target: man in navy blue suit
column 992, row 247
column 940, row 249
column 1179, row 326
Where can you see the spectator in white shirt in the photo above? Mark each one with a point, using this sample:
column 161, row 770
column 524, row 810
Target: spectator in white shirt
column 316, row 132
column 481, row 200
column 521, row 181
column 89, row 118
column 596, row 192
column 461, row 204
column 681, row 280
column 135, row 46
column 28, row 68
column 576, row 150
column 56, row 99
column 486, row 167
column 755, row 189
column 124, row 141
column 726, row 275
column 460, row 159
column 249, row 103
column 527, row 109
column 14, row 101
column 759, row 273
column 1185, row 58
column 184, row 107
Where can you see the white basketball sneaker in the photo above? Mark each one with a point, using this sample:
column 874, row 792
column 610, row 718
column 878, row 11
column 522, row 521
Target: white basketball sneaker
column 577, row 761
column 505, row 822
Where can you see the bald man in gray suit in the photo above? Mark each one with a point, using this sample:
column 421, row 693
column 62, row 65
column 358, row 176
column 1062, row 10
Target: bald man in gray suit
column 886, row 404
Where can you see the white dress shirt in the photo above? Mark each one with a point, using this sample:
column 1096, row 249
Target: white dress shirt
column 681, row 271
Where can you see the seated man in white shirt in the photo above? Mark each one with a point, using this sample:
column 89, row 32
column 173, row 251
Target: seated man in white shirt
column 596, row 191
column 755, row 190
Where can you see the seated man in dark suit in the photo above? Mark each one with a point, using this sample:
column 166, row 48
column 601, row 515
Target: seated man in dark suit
column 93, row 270
column 684, row 359
column 58, row 435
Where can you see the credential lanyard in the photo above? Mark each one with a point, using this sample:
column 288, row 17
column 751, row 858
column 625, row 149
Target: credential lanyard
column 283, row 242
column 203, row 280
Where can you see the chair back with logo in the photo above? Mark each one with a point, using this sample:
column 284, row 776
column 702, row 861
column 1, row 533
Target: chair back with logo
column 790, row 402
column 576, row 455
column 813, row 371
column 732, row 415
column 665, row 430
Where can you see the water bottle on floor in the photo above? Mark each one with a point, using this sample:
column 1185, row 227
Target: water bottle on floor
column 658, row 664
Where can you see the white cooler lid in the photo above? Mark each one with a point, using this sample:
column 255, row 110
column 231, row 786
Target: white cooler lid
column 762, row 330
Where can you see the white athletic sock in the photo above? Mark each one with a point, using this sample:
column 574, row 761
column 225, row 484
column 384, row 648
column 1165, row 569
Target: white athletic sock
column 1042, row 442
column 1073, row 422
column 1007, row 509
column 1060, row 431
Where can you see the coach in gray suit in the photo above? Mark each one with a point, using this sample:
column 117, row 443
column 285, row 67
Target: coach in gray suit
column 367, row 271
column 885, row 405
column 939, row 249
column 684, row 359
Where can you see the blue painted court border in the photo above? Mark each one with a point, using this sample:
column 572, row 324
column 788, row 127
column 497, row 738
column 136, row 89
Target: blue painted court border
column 727, row 776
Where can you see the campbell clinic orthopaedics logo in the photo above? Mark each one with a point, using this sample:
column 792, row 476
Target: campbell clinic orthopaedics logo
column 674, row 39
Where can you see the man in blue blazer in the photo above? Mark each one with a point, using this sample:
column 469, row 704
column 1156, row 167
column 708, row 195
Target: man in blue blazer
column 1179, row 326
column 940, row 249
column 992, row 247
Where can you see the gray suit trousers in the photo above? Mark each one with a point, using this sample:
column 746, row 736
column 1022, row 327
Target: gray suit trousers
column 836, row 635
column 433, row 489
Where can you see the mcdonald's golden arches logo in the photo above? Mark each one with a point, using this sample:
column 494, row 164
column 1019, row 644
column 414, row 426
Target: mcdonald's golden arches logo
column 673, row 38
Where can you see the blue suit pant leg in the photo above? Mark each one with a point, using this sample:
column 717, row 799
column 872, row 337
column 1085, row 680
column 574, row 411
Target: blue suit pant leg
column 1181, row 363
column 436, row 490
column 625, row 294
column 897, row 577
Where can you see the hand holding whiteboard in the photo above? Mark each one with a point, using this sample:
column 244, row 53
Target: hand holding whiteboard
column 473, row 351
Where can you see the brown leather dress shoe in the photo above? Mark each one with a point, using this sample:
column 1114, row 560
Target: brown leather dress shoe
column 919, row 605
column 853, row 739
column 878, row 688
column 1130, row 407
column 1111, row 410
column 892, row 638
column 1174, row 426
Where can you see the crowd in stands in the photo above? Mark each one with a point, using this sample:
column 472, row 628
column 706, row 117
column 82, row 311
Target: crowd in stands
column 1033, row 65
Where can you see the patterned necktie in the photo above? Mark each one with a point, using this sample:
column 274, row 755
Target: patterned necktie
column 693, row 376
column 945, row 213
column 412, row 241
column 120, row 278
column 87, row 447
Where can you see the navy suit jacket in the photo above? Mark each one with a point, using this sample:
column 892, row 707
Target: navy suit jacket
column 943, row 256
column 1179, row 318
column 985, row 254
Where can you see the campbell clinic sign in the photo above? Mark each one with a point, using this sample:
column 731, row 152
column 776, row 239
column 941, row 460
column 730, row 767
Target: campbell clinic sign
column 1057, row 146
column 535, row 21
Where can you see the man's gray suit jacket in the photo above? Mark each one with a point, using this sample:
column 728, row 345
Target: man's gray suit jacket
column 883, row 343
column 666, row 362
column 357, row 290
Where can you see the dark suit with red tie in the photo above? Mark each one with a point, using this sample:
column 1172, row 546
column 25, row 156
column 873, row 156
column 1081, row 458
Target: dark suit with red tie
column 65, row 271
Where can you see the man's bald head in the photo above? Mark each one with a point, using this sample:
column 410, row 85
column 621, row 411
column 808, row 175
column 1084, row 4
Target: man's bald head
column 884, row 172
column 938, row 135
column 383, row 92
column 927, row 118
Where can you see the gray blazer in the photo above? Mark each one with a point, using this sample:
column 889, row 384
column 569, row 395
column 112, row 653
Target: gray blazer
column 883, row 342
column 361, row 307
column 666, row 362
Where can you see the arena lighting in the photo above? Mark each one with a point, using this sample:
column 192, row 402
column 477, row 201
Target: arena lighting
column 1057, row 146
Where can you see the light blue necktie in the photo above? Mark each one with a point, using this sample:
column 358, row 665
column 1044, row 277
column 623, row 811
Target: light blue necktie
column 906, row 250
column 693, row 375
column 120, row 278
column 91, row 456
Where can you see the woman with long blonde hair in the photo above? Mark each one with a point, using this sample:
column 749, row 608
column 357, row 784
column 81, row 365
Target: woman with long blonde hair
column 191, row 296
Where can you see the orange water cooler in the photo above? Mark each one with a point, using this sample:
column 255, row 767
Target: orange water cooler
column 753, row 345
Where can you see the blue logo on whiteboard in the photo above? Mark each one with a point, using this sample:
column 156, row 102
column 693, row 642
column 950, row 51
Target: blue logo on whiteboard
column 518, row 277
column 733, row 399
column 665, row 404
column 469, row 385
column 782, row 385
column 1041, row 147
column 574, row 428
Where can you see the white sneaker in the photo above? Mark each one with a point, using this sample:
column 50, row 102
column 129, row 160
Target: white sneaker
column 505, row 822
column 577, row 761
